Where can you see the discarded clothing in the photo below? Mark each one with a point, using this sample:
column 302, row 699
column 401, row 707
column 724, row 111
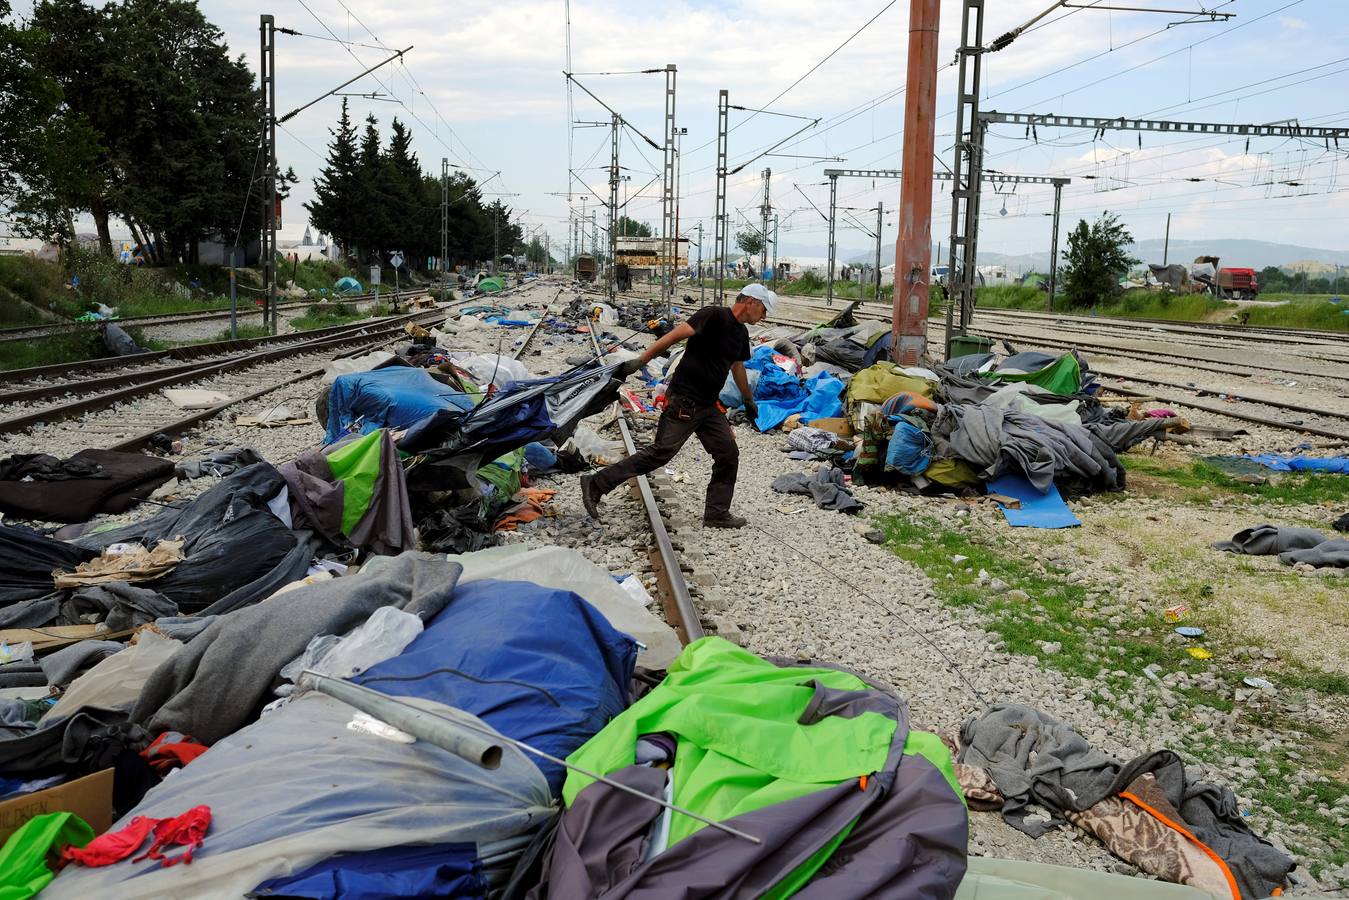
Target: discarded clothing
column 909, row 451
column 1267, row 540
column 814, row 440
column 880, row 382
column 23, row 858
column 822, row 766
column 1279, row 463
column 62, row 667
column 1330, row 554
column 533, row 504
column 44, row 467
column 117, row 605
column 215, row 684
column 996, row 441
column 1035, row 758
column 1023, row 397
column 825, row 487
column 186, row 830
column 354, row 493
column 116, row 682
column 218, row 465
column 171, row 750
column 460, row 529
column 122, row 479
column 129, row 564
column 1342, row 523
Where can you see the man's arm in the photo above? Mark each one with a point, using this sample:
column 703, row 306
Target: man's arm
column 741, row 382
column 681, row 332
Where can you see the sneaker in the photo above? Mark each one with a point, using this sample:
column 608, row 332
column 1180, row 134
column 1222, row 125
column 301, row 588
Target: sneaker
column 590, row 497
column 726, row 521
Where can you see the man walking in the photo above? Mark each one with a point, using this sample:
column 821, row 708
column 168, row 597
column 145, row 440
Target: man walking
column 718, row 344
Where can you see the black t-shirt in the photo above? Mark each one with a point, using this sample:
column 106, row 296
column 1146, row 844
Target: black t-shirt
column 718, row 340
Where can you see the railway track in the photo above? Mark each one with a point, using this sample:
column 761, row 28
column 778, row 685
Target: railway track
column 242, row 378
column 1237, row 405
column 32, row 332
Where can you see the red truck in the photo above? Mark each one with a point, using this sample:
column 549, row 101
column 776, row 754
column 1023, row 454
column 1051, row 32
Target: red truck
column 1238, row 284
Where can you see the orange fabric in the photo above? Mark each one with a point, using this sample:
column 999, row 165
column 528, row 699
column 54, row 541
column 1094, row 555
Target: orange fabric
column 531, row 507
column 862, row 782
column 1227, row 873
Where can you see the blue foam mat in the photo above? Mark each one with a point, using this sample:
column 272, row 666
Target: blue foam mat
column 1037, row 510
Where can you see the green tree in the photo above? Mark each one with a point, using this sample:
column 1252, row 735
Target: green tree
column 1094, row 261
column 751, row 242
column 334, row 209
column 632, row 228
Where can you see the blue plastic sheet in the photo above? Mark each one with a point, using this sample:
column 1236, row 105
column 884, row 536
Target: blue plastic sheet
column 553, row 679
column 825, row 400
column 392, row 397
column 909, row 451
column 1037, row 510
column 778, row 395
column 439, row 870
column 1278, row 463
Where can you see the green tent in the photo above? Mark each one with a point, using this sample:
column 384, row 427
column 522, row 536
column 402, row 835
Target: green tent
column 1063, row 376
column 491, row 285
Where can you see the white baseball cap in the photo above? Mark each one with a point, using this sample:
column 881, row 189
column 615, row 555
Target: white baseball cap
column 758, row 292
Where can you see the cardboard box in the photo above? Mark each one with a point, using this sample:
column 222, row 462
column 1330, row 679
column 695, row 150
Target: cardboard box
column 838, row 426
column 89, row 797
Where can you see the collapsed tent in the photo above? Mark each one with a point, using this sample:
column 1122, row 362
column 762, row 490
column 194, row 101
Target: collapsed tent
column 391, row 397
column 552, row 679
column 821, row 766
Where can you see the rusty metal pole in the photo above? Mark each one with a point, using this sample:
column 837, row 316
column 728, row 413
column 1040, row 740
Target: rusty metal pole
column 913, row 249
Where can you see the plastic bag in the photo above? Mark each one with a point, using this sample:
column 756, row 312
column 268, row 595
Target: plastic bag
column 117, row 681
column 385, row 634
column 490, row 368
column 593, row 447
column 16, row 653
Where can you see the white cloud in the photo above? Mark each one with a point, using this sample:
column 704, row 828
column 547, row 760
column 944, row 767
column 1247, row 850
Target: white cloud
column 1293, row 24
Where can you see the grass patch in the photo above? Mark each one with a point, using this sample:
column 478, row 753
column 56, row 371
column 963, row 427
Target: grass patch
column 326, row 315
column 1301, row 312
column 29, row 288
column 81, row 344
column 1200, row 482
column 1011, row 296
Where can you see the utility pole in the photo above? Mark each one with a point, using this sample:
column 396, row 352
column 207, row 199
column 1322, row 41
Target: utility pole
column 775, row 247
column 764, row 209
column 833, row 205
column 496, row 238
column 1166, row 242
column 613, row 211
column 723, row 111
column 880, row 211
column 702, row 282
column 913, row 246
column 267, row 84
column 594, row 235
column 445, row 215
column 1054, row 242
column 967, row 171
column 679, row 159
column 669, row 228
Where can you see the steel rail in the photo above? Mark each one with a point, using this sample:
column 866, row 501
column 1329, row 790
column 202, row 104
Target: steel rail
column 178, row 426
column 676, row 600
column 66, row 410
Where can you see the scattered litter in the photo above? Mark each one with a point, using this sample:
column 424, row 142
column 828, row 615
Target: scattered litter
column 368, row 724
column 1199, row 652
column 1257, row 682
column 1175, row 613
column 1190, row 631
column 277, row 416
column 194, row 398
column 789, row 510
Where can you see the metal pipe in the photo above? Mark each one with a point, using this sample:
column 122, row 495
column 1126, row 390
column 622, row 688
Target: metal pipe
column 421, row 724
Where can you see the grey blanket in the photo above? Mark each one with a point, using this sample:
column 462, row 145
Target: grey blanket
column 825, row 487
column 1035, row 758
column 1267, row 540
column 996, row 441
column 1327, row 554
column 218, row 681
column 117, row 604
column 63, row 666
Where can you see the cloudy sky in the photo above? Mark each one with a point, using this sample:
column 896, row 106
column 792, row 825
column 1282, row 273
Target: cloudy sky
column 483, row 86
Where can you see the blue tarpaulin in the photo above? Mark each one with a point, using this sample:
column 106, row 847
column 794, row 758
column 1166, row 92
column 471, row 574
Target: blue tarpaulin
column 1278, row 463
column 440, row 870
column 392, row 397
column 780, row 395
column 552, row 680
column 1037, row 510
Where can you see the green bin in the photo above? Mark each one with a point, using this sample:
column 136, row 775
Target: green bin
column 965, row 344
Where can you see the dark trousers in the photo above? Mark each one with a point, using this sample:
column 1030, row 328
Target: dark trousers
column 678, row 423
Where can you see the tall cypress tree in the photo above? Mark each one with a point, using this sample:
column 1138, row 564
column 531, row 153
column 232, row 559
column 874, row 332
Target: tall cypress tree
column 335, row 208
